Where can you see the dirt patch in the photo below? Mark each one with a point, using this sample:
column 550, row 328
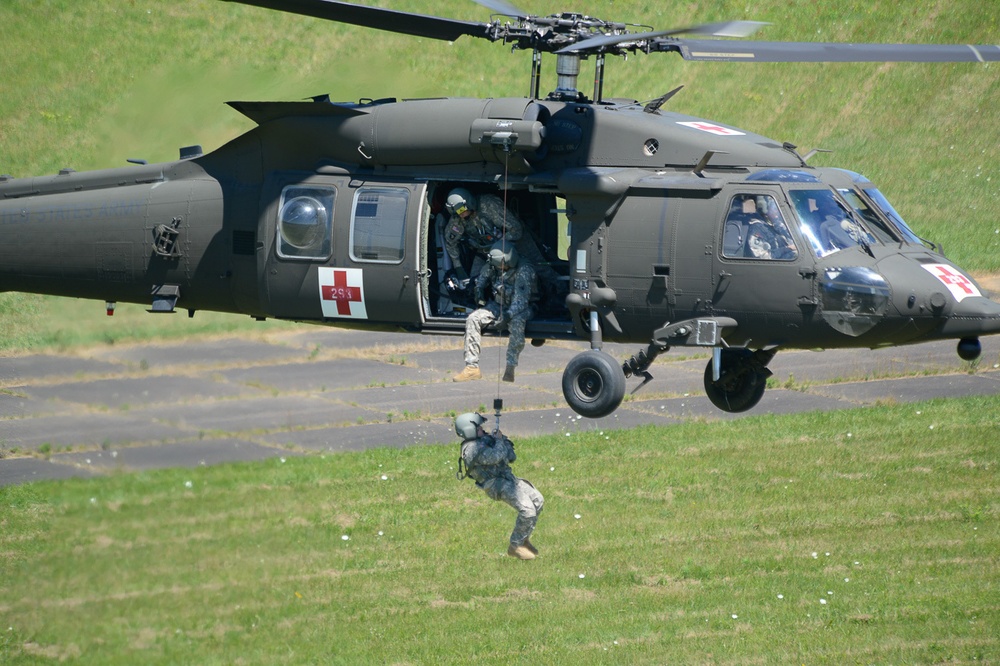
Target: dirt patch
column 991, row 283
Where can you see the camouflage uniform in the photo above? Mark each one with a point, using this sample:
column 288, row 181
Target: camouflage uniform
column 509, row 308
column 487, row 460
column 485, row 226
column 489, row 223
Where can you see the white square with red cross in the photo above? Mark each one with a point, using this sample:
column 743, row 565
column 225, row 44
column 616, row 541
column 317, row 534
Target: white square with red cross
column 712, row 128
column 342, row 293
column 960, row 286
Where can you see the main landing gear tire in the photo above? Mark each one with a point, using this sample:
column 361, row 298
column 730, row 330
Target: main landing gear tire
column 593, row 384
column 741, row 384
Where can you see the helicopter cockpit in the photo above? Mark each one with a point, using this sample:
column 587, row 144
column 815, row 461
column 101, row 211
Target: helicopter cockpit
column 841, row 210
column 864, row 192
column 827, row 223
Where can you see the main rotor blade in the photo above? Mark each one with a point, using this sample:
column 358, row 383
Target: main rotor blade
column 717, row 49
column 501, row 7
column 420, row 25
column 724, row 29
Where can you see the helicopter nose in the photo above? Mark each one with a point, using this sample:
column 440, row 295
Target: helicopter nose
column 972, row 316
column 963, row 307
column 948, row 302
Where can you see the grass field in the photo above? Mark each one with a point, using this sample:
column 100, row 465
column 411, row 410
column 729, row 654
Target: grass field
column 866, row 536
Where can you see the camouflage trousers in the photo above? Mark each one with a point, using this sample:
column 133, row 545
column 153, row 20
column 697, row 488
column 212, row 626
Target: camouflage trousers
column 483, row 317
column 526, row 500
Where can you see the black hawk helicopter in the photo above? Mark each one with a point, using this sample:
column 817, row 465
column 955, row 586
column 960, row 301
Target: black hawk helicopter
column 683, row 232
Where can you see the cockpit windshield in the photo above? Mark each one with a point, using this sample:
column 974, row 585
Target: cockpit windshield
column 882, row 230
column 883, row 204
column 827, row 223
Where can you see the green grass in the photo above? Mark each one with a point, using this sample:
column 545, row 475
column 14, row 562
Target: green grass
column 89, row 84
column 32, row 322
column 688, row 544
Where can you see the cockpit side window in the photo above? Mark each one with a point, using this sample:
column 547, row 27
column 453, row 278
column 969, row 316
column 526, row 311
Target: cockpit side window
column 756, row 229
column 828, row 224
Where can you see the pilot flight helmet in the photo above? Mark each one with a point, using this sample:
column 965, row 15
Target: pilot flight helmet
column 466, row 424
column 460, row 200
column 503, row 255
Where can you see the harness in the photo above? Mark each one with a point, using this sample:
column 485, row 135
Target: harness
column 463, row 470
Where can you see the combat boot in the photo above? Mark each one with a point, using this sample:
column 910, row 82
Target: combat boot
column 508, row 373
column 520, row 552
column 530, row 546
column 471, row 372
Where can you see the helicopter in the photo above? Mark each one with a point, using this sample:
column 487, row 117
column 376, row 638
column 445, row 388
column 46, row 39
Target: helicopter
column 682, row 231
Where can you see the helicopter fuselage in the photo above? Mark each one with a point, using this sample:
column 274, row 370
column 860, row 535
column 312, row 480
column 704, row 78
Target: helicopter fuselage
column 662, row 216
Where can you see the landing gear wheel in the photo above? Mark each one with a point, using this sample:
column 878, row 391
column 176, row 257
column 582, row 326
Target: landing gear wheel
column 593, row 384
column 741, row 384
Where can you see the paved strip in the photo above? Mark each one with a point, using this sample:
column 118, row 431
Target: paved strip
column 329, row 390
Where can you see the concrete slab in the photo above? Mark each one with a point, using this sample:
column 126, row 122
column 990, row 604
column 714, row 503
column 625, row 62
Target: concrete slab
column 255, row 390
column 228, row 351
column 37, row 366
column 913, row 389
column 81, row 430
column 442, row 398
column 14, row 404
column 255, row 414
column 128, row 392
column 841, row 364
column 360, row 437
column 337, row 338
column 180, row 454
column 14, row 471
column 328, row 375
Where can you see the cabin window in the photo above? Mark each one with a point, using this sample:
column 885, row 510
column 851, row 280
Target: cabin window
column 305, row 215
column 378, row 224
column 756, row 229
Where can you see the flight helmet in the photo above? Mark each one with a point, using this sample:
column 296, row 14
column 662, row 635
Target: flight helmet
column 466, row 424
column 460, row 200
column 503, row 254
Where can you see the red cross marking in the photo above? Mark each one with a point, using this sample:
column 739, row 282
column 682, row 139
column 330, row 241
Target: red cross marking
column 708, row 127
column 957, row 279
column 341, row 294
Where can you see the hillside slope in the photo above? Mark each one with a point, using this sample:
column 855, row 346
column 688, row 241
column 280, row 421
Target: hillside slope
column 90, row 83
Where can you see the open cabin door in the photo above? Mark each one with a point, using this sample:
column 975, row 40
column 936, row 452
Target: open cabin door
column 341, row 249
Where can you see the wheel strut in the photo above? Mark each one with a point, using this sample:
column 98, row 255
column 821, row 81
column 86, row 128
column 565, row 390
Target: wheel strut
column 639, row 364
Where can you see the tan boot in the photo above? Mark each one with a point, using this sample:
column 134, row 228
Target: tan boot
column 471, row 372
column 508, row 373
column 530, row 546
column 520, row 552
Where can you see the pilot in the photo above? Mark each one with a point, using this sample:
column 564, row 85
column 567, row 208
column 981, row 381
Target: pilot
column 487, row 461
column 512, row 283
column 767, row 235
column 837, row 230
